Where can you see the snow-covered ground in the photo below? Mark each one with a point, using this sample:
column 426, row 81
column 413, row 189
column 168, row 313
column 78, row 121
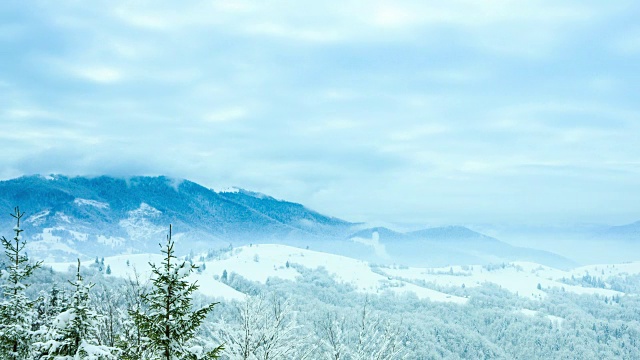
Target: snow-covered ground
column 127, row 266
column 261, row 262
column 521, row 278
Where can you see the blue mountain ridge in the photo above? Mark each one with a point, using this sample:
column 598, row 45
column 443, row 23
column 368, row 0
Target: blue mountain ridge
column 91, row 216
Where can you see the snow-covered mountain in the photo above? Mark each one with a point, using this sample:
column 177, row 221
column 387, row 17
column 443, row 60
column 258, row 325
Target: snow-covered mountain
column 75, row 216
column 85, row 217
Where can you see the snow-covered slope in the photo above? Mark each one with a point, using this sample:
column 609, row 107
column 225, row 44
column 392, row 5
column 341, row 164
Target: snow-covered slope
column 521, row 278
column 137, row 265
column 261, row 262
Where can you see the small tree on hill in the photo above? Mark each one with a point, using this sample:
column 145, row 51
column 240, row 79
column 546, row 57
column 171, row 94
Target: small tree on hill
column 167, row 322
column 16, row 310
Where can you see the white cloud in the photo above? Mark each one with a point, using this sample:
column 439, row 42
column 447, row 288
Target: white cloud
column 98, row 74
column 389, row 15
column 628, row 43
column 26, row 113
column 323, row 127
column 418, row 132
column 225, row 115
column 457, row 75
column 295, row 33
column 146, row 19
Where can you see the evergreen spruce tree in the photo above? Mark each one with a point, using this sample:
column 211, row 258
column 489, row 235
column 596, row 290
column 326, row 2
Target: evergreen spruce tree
column 73, row 333
column 17, row 312
column 55, row 303
column 168, row 323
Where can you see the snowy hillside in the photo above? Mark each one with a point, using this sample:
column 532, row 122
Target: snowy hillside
column 261, row 262
column 521, row 278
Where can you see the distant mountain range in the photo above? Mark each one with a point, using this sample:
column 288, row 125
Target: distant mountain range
column 629, row 232
column 84, row 217
column 440, row 246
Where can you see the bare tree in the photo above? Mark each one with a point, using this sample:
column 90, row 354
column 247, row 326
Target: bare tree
column 262, row 329
column 368, row 336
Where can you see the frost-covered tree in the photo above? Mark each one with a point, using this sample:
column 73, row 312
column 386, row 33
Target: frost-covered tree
column 332, row 333
column 377, row 338
column 130, row 340
column 367, row 336
column 17, row 311
column 167, row 321
column 262, row 329
column 107, row 302
column 49, row 305
column 73, row 333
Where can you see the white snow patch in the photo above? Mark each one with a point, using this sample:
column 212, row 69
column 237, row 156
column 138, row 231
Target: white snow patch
column 556, row 320
column 76, row 234
column 260, row 262
column 521, row 278
column 38, row 218
column 110, row 241
column 46, row 243
column 47, row 235
column 63, row 217
column 94, row 203
column 528, row 312
column 230, row 189
column 138, row 226
column 606, row 271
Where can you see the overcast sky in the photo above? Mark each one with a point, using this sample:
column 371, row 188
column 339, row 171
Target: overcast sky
column 432, row 112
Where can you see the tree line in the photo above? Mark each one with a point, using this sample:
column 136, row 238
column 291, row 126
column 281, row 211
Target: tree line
column 163, row 325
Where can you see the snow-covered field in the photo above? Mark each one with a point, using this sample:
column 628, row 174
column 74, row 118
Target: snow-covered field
column 521, row 278
column 261, row 262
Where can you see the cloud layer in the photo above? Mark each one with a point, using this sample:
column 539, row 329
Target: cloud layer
column 406, row 111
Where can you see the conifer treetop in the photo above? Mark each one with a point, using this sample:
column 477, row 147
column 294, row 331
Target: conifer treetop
column 19, row 267
column 16, row 309
column 169, row 323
